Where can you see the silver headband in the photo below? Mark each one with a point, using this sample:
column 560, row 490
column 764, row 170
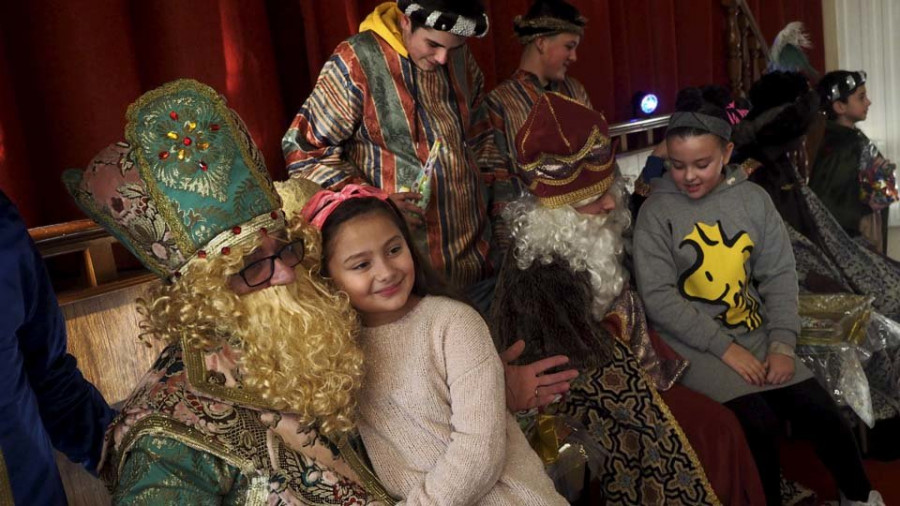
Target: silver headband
column 699, row 121
column 851, row 84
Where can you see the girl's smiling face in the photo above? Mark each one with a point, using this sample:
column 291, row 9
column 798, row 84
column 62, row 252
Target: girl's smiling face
column 370, row 260
column 696, row 162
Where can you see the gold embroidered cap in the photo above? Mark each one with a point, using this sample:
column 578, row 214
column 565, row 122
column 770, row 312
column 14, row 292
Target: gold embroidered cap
column 564, row 152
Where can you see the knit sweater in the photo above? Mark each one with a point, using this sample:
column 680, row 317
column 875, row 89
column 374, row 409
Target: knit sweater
column 714, row 271
column 433, row 414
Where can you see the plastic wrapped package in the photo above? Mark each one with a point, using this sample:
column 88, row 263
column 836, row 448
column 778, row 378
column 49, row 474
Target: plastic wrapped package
column 422, row 183
column 881, row 334
column 877, row 179
column 565, row 448
column 883, row 366
column 839, row 369
column 832, row 344
column 854, row 352
column 834, row 318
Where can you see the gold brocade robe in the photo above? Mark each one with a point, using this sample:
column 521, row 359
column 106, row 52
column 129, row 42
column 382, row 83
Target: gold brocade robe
column 196, row 399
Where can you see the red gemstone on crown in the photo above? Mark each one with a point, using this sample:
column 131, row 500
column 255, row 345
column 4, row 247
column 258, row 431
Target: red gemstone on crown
column 236, row 230
column 163, row 155
column 187, row 141
column 201, row 254
column 226, row 250
column 263, row 231
column 204, row 167
column 173, row 115
column 274, row 215
column 214, row 127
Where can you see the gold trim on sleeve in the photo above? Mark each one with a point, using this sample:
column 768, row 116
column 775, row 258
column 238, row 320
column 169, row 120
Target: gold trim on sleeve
column 159, row 426
column 195, row 368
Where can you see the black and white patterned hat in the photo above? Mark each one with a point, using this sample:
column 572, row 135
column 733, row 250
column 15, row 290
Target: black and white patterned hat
column 445, row 20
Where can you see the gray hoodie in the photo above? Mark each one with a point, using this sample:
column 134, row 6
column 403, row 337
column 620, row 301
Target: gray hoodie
column 717, row 270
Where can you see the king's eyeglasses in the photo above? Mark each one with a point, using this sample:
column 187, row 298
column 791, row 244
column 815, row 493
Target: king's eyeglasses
column 259, row 272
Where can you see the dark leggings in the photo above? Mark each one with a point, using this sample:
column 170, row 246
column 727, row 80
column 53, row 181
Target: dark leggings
column 813, row 416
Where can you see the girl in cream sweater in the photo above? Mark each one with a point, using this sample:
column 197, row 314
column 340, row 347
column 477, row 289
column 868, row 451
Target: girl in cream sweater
column 433, row 415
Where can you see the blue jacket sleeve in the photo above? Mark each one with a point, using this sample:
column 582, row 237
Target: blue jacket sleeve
column 71, row 410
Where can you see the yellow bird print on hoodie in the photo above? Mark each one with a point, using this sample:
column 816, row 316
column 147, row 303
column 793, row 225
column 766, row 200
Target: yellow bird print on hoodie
column 719, row 274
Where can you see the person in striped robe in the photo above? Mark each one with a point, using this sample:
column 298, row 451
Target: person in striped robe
column 381, row 101
column 550, row 32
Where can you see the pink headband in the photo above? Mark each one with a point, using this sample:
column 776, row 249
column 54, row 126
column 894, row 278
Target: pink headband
column 735, row 115
column 324, row 202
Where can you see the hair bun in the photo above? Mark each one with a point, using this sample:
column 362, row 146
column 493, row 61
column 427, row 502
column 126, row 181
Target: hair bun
column 710, row 100
column 717, row 95
column 689, row 100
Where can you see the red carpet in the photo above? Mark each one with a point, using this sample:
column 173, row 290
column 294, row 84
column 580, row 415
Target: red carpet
column 799, row 461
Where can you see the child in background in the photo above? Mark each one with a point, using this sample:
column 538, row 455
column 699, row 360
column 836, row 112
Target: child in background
column 715, row 269
column 850, row 176
column 433, row 413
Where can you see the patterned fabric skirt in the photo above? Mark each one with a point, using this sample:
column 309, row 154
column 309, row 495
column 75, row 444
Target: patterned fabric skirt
column 861, row 269
column 648, row 459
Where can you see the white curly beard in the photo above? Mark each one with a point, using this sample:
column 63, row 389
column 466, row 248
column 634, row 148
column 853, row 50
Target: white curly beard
column 592, row 243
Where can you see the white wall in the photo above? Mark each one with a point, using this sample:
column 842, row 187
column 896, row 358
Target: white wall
column 864, row 35
column 631, row 165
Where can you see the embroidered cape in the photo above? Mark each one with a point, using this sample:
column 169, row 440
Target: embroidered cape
column 183, row 398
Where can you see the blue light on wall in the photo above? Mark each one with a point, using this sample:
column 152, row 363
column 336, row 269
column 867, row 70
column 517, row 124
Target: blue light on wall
column 649, row 102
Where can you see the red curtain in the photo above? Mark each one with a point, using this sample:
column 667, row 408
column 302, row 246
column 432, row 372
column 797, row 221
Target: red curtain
column 68, row 70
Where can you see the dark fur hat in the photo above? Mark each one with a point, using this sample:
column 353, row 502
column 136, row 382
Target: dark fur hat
column 783, row 109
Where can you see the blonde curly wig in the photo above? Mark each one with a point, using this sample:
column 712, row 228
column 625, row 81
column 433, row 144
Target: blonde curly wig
column 297, row 343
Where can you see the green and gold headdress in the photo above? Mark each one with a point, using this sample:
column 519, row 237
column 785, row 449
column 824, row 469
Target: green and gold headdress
column 188, row 184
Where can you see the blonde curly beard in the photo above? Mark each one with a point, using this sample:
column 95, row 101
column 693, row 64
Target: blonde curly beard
column 297, row 344
column 592, row 243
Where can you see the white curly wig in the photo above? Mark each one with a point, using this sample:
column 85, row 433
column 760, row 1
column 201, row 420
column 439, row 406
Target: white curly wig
column 592, row 243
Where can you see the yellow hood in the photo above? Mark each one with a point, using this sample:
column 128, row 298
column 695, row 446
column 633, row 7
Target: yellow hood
column 385, row 21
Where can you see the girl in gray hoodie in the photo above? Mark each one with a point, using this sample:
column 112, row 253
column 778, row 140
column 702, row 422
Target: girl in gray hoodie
column 716, row 271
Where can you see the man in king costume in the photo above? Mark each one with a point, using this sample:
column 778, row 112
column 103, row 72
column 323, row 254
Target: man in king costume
column 251, row 400
column 564, row 289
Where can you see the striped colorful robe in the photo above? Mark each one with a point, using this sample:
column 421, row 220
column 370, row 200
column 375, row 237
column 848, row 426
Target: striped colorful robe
column 508, row 106
column 373, row 117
